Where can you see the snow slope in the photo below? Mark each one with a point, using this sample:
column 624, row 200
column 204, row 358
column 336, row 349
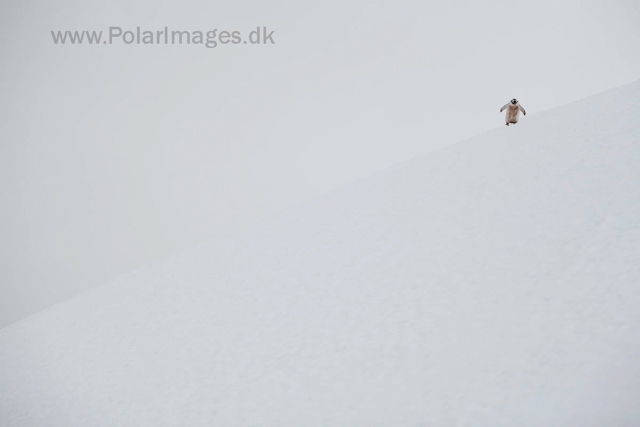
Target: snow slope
column 493, row 283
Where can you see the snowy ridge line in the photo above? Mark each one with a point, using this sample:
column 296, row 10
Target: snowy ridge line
column 260, row 224
column 492, row 282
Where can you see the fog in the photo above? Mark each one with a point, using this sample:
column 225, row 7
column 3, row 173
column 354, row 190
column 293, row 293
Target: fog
column 113, row 155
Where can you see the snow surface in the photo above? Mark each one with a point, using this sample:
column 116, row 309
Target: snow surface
column 493, row 283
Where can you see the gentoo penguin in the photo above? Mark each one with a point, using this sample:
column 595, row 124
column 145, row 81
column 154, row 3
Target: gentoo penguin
column 513, row 111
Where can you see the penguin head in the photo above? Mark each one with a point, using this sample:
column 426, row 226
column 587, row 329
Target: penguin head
column 514, row 101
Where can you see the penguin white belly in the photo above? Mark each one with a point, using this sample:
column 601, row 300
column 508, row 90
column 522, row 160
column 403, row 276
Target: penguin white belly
column 512, row 114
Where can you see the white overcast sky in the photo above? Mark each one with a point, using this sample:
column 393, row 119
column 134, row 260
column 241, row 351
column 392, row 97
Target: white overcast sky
column 114, row 155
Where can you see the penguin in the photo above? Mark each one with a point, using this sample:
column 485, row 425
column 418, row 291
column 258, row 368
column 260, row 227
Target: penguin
column 513, row 108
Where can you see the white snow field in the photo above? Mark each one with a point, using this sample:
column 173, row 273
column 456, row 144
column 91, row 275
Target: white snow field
column 492, row 283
